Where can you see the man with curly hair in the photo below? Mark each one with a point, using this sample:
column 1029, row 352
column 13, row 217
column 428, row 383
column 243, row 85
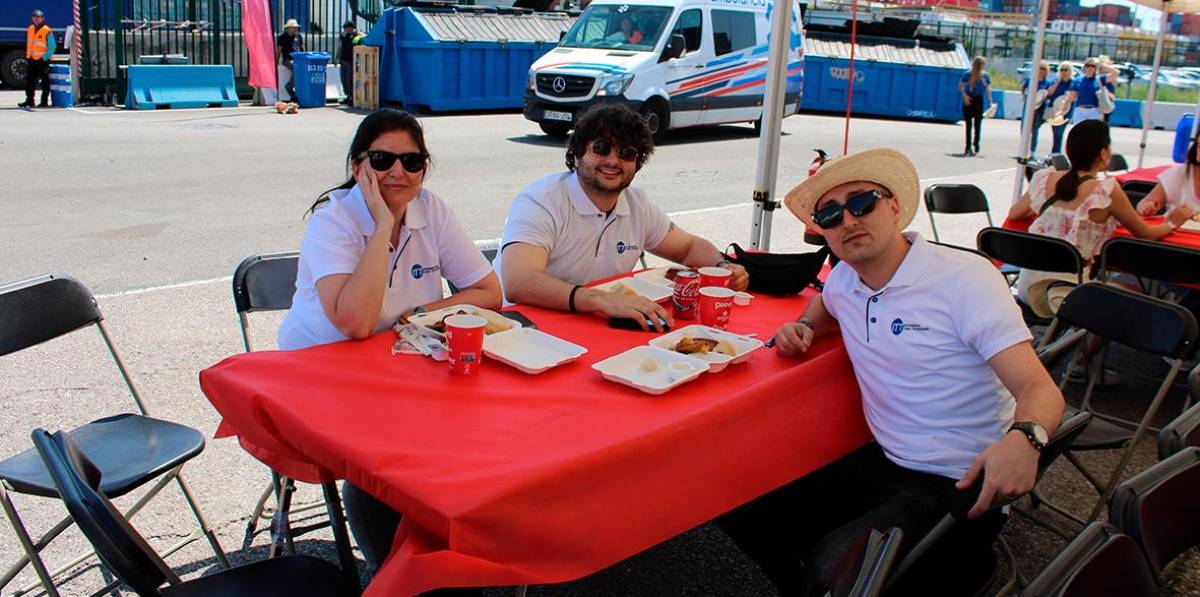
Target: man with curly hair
column 587, row 223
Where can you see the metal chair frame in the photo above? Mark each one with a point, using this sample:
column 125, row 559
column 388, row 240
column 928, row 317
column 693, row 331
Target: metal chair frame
column 248, row 298
column 955, row 199
column 32, row 549
column 1036, row 251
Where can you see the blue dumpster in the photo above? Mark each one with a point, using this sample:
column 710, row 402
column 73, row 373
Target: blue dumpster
column 463, row 57
column 905, row 78
column 309, row 71
column 60, row 86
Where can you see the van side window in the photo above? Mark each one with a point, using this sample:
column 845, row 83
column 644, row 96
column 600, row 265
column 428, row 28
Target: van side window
column 733, row 30
column 691, row 26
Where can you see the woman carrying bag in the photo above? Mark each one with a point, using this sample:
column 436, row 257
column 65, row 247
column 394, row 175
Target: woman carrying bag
column 975, row 87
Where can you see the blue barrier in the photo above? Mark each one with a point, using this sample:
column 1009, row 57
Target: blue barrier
column 1128, row 113
column 998, row 100
column 179, row 86
column 60, row 86
column 882, row 89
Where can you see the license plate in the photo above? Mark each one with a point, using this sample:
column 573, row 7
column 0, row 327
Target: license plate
column 553, row 115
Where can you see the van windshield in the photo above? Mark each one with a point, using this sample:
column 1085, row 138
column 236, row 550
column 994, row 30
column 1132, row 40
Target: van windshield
column 618, row 27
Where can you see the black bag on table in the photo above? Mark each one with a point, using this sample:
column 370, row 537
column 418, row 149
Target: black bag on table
column 781, row 274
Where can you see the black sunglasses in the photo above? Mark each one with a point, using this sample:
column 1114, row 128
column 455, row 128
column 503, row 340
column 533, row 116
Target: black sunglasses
column 382, row 161
column 624, row 152
column 859, row 205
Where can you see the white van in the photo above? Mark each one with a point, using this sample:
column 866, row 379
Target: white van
column 678, row 62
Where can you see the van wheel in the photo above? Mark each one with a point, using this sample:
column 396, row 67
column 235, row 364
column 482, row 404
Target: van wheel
column 12, row 69
column 555, row 129
column 658, row 118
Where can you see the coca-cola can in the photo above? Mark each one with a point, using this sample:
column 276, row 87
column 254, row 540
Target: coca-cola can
column 686, row 296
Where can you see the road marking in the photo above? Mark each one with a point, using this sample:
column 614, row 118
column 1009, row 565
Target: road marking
column 494, row 242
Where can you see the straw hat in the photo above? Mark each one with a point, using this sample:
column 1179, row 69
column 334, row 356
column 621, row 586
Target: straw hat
column 291, row 23
column 1059, row 111
column 885, row 167
column 991, row 111
column 1040, row 97
column 1046, row 296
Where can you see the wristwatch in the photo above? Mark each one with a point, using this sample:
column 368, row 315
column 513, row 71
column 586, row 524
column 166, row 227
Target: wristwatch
column 1033, row 431
column 418, row 309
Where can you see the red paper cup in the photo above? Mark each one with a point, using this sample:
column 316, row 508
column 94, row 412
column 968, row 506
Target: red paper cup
column 714, row 276
column 464, row 338
column 716, row 303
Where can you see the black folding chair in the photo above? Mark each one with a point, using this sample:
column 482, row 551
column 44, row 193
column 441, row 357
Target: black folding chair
column 1071, row 426
column 125, row 552
column 864, row 569
column 955, row 199
column 1157, row 508
column 1099, row 561
column 1117, row 163
column 1184, row 431
column 1032, row 251
column 1137, row 190
column 131, row 450
column 267, row 283
column 1149, row 261
column 1060, row 161
column 1139, row 322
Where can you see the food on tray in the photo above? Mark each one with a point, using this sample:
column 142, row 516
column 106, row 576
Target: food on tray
column 495, row 321
column 620, row 288
column 689, row 345
column 649, row 365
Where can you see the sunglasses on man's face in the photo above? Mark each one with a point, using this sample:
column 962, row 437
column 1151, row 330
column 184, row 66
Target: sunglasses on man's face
column 858, row 204
column 382, row 161
column 624, row 152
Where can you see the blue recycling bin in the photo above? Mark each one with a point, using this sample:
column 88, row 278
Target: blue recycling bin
column 1183, row 138
column 309, row 73
column 60, row 86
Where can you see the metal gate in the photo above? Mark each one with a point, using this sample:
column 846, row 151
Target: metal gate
column 117, row 33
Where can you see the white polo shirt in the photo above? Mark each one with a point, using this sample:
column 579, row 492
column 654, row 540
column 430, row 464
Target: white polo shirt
column 920, row 348
column 1179, row 187
column 584, row 243
column 432, row 245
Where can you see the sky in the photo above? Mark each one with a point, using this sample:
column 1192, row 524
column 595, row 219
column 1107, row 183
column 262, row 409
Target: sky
column 1148, row 16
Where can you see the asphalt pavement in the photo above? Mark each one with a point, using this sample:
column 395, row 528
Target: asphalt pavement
column 153, row 210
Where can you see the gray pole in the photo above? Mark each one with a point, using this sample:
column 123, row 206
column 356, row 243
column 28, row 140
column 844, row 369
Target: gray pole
column 1030, row 94
column 1148, row 113
column 772, row 121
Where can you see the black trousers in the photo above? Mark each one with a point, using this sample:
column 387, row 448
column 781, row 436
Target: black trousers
column 797, row 533
column 973, row 115
column 347, row 72
column 373, row 524
column 36, row 70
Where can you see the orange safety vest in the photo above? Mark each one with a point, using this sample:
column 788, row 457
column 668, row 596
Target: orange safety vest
column 35, row 42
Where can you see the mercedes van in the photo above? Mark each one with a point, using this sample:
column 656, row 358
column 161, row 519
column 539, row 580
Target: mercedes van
column 678, row 62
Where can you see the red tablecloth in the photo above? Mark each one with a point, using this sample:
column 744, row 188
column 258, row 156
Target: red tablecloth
column 507, row 478
column 1183, row 238
column 1142, row 174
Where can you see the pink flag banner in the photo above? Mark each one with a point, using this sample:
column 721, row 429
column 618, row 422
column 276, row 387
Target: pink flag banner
column 260, row 42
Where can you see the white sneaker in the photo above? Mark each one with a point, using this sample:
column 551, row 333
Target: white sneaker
column 1078, row 374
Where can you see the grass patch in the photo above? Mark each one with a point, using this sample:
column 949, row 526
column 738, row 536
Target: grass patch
column 1006, row 82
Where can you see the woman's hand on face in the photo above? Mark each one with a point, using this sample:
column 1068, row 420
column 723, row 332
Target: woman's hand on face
column 369, row 184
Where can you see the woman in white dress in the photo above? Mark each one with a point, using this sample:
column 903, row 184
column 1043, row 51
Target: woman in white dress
column 1177, row 185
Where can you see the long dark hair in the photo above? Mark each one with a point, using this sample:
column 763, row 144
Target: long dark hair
column 1084, row 144
column 375, row 125
column 613, row 122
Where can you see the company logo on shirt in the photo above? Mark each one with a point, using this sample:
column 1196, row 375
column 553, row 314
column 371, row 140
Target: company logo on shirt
column 419, row 272
column 622, row 247
column 898, row 327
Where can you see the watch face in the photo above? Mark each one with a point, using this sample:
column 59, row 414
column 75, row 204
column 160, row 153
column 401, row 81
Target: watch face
column 1040, row 433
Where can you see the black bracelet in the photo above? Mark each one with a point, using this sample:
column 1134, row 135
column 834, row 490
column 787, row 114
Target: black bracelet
column 571, row 299
column 806, row 323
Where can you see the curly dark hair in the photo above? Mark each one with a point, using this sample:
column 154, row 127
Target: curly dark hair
column 613, row 122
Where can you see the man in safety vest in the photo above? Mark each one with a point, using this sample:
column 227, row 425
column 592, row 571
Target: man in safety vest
column 39, row 47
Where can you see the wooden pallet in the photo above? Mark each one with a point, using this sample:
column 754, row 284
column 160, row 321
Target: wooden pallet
column 366, row 77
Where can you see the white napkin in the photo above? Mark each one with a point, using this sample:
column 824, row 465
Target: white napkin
column 417, row 339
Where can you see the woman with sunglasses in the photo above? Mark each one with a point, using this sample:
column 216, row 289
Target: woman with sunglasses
column 376, row 248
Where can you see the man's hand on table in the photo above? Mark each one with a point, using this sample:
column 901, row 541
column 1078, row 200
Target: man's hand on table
column 637, row 308
column 1009, row 469
column 793, row 339
column 740, row 280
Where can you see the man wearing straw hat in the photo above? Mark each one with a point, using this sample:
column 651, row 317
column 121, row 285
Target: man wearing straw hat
column 289, row 41
column 951, row 389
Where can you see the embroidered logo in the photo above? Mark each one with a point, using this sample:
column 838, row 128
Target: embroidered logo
column 622, row 247
column 419, row 272
column 898, row 326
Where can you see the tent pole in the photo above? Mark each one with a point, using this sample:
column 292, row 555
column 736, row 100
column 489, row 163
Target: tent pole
column 772, row 122
column 1148, row 112
column 1030, row 94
